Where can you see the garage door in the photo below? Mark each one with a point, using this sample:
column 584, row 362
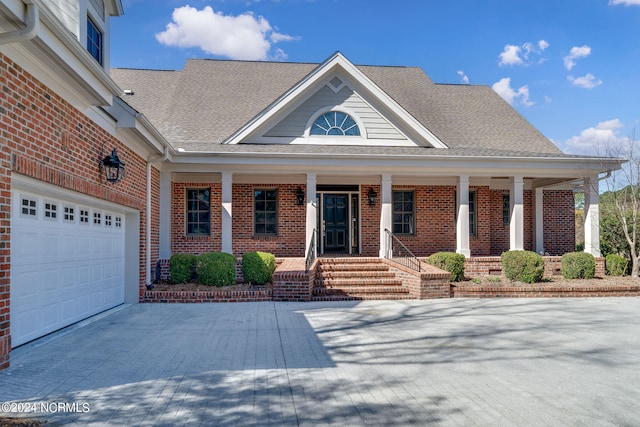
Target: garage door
column 67, row 263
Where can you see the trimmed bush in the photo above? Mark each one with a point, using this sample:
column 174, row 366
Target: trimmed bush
column 523, row 266
column 258, row 267
column 181, row 267
column 217, row 269
column 578, row 265
column 615, row 265
column 449, row 261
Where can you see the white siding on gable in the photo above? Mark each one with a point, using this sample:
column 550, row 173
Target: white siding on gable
column 98, row 5
column 68, row 12
column 375, row 126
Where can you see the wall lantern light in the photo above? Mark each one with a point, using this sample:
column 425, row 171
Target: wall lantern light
column 112, row 166
column 373, row 197
column 299, row 196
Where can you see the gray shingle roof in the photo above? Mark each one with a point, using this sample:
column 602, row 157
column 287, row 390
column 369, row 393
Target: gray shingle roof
column 205, row 103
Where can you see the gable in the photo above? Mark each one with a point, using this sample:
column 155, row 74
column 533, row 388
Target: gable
column 373, row 126
column 390, row 123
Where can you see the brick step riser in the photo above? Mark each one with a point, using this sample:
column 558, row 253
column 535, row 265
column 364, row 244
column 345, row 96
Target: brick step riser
column 354, row 275
column 348, row 267
column 359, row 290
column 360, row 297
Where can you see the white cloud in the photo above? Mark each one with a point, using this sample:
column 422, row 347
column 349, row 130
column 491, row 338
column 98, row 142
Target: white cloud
column 575, row 53
column 587, row 81
column 510, row 55
column 237, row 37
column 519, row 55
column 463, row 77
column 624, row 2
column 513, row 97
column 596, row 140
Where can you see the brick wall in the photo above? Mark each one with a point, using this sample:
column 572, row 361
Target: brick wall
column 180, row 242
column 44, row 137
column 559, row 219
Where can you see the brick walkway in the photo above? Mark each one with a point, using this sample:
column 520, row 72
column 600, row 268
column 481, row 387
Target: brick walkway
column 533, row 362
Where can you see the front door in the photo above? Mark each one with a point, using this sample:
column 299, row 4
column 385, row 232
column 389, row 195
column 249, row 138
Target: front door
column 336, row 222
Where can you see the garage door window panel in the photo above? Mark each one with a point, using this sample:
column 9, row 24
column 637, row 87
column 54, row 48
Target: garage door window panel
column 29, row 207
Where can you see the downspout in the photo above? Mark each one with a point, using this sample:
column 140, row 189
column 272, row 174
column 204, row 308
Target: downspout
column 32, row 23
column 150, row 162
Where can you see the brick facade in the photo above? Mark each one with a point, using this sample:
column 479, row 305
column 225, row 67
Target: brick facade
column 44, row 137
column 435, row 226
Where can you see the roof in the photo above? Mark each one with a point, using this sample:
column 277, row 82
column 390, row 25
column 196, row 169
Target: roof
column 199, row 107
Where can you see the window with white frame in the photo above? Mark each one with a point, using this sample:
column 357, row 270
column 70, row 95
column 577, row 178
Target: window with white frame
column 403, row 212
column 335, row 123
column 94, row 40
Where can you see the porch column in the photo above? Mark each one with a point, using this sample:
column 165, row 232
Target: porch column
column 164, row 250
column 539, row 220
column 591, row 216
column 462, row 223
column 312, row 220
column 516, row 222
column 385, row 213
column 227, row 196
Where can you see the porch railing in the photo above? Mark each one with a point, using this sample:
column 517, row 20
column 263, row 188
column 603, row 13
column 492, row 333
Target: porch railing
column 311, row 251
column 398, row 252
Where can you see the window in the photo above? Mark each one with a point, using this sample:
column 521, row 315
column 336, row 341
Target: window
column 198, row 212
column 28, row 207
column 97, row 218
column 506, row 209
column 118, row 222
column 403, row 212
column 69, row 214
column 108, row 221
column 94, row 41
column 265, row 210
column 84, row 216
column 472, row 212
column 335, row 123
column 50, row 210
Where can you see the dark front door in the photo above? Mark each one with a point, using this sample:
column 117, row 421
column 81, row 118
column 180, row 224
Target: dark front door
column 336, row 222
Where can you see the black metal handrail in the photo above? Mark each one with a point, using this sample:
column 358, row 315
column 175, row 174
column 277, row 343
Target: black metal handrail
column 396, row 251
column 311, row 251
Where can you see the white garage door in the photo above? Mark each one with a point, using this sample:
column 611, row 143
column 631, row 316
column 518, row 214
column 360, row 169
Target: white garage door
column 67, row 263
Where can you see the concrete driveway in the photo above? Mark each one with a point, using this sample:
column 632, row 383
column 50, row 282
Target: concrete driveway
column 491, row 362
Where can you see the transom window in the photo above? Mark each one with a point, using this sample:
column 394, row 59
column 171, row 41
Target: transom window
column 94, row 41
column 335, row 123
column 198, row 212
column 403, row 212
column 265, row 210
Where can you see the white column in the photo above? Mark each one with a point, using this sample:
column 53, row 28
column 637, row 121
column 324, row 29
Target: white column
column 385, row 213
column 227, row 217
column 165, row 216
column 539, row 220
column 462, row 223
column 591, row 216
column 312, row 212
column 516, row 223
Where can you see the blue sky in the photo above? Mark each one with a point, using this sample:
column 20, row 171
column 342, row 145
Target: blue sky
column 570, row 67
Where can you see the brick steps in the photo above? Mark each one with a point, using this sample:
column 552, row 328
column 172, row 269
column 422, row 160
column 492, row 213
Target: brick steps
column 345, row 279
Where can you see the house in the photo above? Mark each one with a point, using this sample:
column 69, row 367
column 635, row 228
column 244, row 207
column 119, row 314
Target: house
column 236, row 156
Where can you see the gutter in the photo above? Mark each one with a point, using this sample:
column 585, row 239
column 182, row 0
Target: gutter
column 32, row 23
column 150, row 162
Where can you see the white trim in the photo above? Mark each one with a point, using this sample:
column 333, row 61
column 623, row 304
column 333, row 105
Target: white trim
column 334, row 62
column 462, row 223
column 345, row 140
column 516, row 222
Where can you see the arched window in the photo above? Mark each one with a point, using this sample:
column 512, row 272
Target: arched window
column 335, row 123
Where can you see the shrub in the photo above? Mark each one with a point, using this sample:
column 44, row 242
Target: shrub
column 449, row 261
column 181, row 267
column 258, row 267
column 615, row 265
column 578, row 265
column 523, row 266
column 217, row 269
